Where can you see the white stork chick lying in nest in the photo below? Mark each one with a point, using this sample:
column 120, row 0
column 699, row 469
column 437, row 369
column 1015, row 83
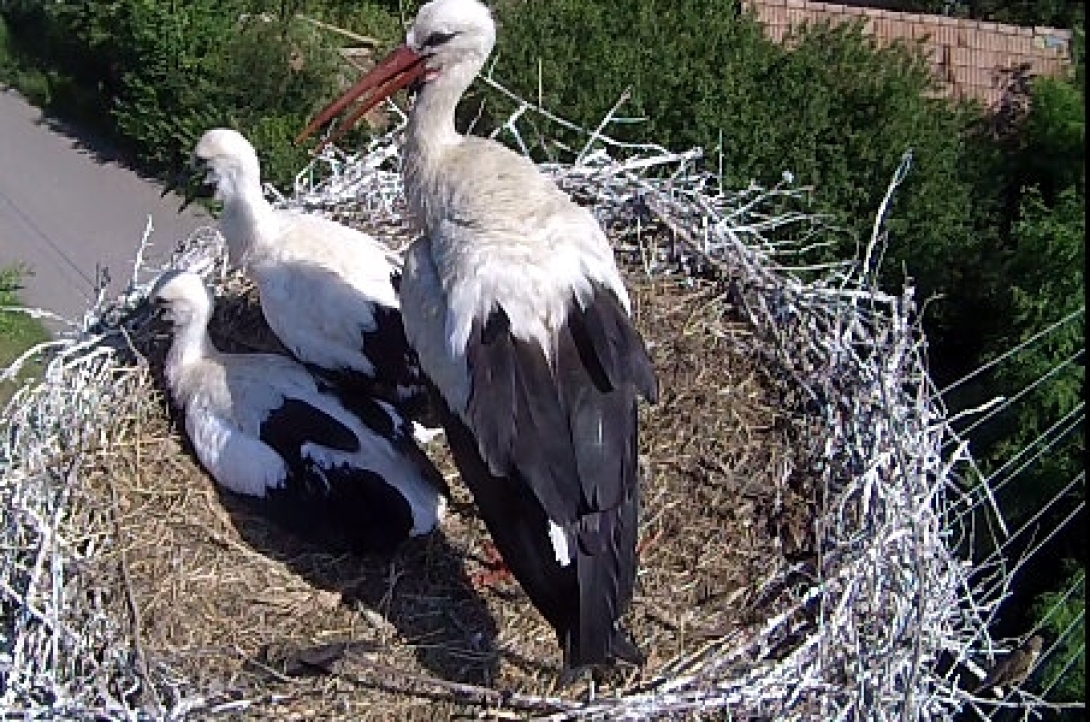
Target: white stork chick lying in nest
column 328, row 292
column 262, row 427
column 514, row 303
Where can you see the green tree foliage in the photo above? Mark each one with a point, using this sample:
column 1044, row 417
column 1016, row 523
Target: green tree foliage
column 1054, row 139
column 1045, row 272
column 1041, row 254
column 158, row 74
column 1063, row 616
column 381, row 20
column 1053, row 13
column 166, row 60
column 830, row 106
column 1042, row 261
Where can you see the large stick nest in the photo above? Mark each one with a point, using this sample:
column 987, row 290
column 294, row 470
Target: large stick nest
column 795, row 561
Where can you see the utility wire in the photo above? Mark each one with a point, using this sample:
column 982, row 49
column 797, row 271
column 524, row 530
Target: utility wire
column 1041, row 512
column 1025, row 390
column 983, row 494
column 999, row 359
column 1080, row 651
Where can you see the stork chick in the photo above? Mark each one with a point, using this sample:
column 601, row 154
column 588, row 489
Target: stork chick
column 262, row 427
column 328, row 292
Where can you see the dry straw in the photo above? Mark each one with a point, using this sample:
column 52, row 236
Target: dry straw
column 798, row 560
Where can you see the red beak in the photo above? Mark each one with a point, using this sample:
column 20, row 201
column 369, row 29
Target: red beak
column 397, row 70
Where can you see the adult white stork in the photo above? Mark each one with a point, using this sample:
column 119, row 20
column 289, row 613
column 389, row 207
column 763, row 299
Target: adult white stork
column 262, row 427
column 329, row 292
column 515, row 306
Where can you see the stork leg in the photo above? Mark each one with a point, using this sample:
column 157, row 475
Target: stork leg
column 495, row 570
column 647, row 543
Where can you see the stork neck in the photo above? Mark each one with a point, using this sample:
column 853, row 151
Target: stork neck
column 191, row 343
column 431, row 124
column 429, row 135
column 246, row 215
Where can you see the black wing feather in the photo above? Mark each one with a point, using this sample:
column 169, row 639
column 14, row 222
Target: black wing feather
column 601, row 366
column 492, row 407
column 610, row 346
column 516, row 521
column 295, row 423
column 515, row 414
column 388, row 349
column 392, row 425
column 569, row 434
column 341, row 508
column 396, row 376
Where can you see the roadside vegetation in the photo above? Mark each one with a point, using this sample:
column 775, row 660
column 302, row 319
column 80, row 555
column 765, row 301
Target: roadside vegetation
column 18, row 331
column 154, row 76
column 990, row 225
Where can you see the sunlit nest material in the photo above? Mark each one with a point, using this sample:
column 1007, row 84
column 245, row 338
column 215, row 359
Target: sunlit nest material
column 798, row 555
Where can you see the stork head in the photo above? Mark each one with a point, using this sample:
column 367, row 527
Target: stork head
column 451, row 33
column 183, row 298
column 229, row 161
column 448, row 43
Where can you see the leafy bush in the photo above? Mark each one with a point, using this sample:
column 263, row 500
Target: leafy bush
column 186, row 71
column 1041, row 257
column 18, row 331
column 1063, row 615
column 159, row 74
column 1054, row 139
column 166, row 62
column 1045, row 277
column 831, row 107
column 31, row 82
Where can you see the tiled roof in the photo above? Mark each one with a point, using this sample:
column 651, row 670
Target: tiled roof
column 971, row 58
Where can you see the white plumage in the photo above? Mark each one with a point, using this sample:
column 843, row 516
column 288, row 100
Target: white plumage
column 262, row 427
column 327, row 290
column 516, row 309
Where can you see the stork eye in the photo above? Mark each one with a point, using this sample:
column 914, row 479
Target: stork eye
column 437, row 38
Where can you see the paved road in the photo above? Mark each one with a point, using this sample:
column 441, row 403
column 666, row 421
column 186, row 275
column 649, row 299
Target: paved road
column 67, row 207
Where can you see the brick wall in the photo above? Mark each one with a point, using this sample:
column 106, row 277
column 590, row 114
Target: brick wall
column 971, row 58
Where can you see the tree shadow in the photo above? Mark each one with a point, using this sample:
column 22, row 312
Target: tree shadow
column 92, row 142
column 96, row 143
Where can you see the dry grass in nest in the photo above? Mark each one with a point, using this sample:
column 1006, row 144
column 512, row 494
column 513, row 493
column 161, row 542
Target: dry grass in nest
column 227, row 601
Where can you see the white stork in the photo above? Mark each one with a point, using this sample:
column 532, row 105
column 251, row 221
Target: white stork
column 516, row 309
column 329, row 292
column 262, row 427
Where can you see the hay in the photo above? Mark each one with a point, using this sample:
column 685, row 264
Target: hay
column 795, row 558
